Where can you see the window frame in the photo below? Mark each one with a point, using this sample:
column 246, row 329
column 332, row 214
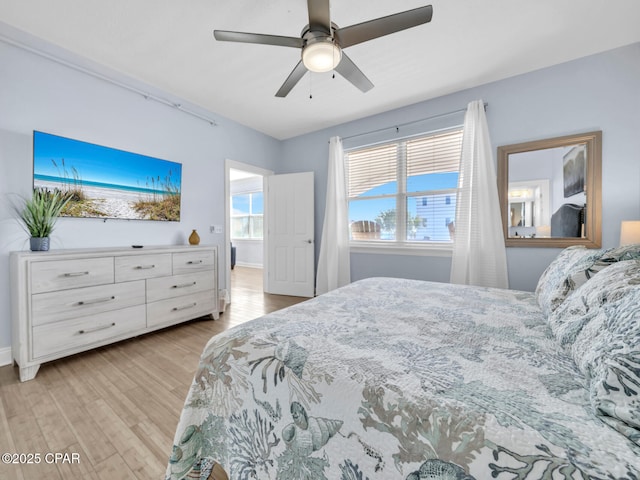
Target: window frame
column 251, row 215
column 402, row 246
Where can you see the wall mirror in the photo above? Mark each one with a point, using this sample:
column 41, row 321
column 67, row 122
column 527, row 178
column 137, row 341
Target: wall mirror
column 551, row 191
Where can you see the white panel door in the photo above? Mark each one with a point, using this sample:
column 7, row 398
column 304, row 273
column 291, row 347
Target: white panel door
column 290, row 234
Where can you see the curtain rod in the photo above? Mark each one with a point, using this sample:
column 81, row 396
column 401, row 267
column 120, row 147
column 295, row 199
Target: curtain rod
column 397, row 127
column 105, row 78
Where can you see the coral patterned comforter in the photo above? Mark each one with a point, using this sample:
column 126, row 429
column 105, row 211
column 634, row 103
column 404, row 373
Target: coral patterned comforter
column 395, row 379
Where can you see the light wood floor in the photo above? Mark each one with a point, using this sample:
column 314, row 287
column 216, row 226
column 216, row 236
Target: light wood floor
column 116, row 407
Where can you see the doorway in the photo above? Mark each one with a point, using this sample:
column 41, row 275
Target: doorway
column 287, row 225
column 244, row 220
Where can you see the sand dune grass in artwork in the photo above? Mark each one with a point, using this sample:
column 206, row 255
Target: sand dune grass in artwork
column 164, row 206
column 161, row 203
column 72, row 188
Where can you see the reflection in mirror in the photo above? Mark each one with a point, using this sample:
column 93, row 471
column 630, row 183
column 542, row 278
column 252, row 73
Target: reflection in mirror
column 550, row 191
column 529, row 208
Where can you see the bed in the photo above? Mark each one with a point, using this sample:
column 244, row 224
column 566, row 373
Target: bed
column 391, row 378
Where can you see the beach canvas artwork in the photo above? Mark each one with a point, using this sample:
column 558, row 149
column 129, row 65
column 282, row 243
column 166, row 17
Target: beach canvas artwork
column 105, row 182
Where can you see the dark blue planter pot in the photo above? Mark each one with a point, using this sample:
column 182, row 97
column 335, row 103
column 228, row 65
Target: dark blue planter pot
column 39, row 244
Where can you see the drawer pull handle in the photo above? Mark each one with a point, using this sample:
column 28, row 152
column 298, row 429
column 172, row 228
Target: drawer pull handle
column 184, row 285
column 75, row 274
column 144, row 267
column 96, row 329
column 95, row 300
column 194, row 262
column 184, row 307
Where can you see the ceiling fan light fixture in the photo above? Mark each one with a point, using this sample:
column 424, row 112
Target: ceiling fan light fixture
column 321, row 56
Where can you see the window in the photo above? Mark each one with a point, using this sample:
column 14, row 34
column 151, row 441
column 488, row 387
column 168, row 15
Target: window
column 405, row 191
column 247, row 211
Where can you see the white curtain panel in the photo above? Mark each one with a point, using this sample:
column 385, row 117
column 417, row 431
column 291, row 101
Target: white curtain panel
column 334, row 267
column 479, row 255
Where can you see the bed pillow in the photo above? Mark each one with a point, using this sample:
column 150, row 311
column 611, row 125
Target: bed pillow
column 611, row 256
column 623, row 252
column 600, row 323
column 555, row 283
column 567, row 320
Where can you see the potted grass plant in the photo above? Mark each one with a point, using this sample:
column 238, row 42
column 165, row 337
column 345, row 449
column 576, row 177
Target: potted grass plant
column 40, row 213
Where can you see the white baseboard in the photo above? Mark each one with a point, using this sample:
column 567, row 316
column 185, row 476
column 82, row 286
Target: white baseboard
column 5, row 356
column 249, row 265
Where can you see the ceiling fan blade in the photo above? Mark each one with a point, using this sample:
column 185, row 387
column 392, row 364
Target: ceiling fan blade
column 291, row 81
column 351, row 72
column 379, row 27
column 280, row 41
column 319, row 18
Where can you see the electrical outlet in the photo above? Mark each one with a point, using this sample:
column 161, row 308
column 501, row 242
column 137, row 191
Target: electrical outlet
column 217, row 229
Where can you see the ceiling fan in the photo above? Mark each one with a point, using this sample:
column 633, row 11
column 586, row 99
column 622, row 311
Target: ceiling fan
column 322, row 42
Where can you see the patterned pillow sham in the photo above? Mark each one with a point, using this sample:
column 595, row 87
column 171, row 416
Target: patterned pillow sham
column 623, row 252
column 567, row 332
column 614, row 255
column 555, row 283
column 600, row 323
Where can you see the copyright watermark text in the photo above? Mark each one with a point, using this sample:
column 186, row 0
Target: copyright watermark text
column 37, row 457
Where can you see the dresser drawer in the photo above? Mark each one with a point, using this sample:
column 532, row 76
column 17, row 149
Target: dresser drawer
column 185, row 262
column 64, row 274
column 139, row 267
column 174, row 310
column 80, row 334
column 56, row 306
column 180, row 285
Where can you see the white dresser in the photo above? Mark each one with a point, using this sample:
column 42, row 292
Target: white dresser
column 68, row 301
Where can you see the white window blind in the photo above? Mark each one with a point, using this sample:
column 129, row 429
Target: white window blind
column 371, row 167
column 434, row 154
column 405, row 191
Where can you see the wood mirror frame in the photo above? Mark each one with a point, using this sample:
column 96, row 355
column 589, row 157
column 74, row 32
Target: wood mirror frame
column 592, row 229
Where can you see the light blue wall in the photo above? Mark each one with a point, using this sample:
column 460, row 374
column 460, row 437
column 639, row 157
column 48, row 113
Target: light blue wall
column 600, row 92
column 39, row 94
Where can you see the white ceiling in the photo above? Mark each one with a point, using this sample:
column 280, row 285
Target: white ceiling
column 169, row 45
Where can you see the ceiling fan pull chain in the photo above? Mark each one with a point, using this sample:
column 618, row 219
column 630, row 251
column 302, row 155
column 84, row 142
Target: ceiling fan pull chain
column 333, row 74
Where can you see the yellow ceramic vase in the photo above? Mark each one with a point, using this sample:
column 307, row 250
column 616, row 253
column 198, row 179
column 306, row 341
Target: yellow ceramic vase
column 194, row 238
